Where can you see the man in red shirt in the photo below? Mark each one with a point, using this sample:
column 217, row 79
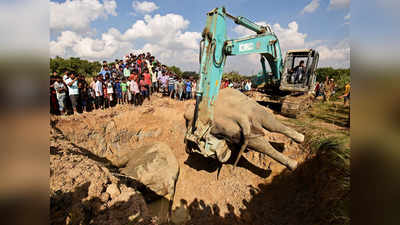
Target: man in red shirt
column 132, row 76
column 147, row 81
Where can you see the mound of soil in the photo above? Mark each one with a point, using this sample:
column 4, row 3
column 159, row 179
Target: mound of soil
column 84, row 191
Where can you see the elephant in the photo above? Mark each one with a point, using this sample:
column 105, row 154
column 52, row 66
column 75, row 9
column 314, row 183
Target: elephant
column 240, row 120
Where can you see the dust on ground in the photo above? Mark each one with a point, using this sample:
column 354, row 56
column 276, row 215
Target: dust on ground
column 205, row 193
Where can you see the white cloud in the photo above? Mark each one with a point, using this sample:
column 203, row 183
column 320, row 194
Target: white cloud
column 289, row 37
column 70, row 43
column 335, row 56
column 144, row 7
column 311, row 7
column 77, row 15
column 339, row 4
column 165, row 36
column 156, row 27
column 110, row 6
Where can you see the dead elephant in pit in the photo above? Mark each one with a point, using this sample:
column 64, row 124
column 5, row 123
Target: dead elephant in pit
column 241, row 121
column 156, row 167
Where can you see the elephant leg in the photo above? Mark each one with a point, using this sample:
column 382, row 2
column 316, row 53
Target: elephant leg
column 244, row 146
column 245, row 127
column 260, row 144
column 274, row 125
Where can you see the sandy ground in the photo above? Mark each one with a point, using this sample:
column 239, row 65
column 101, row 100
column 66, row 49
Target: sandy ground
column 199, row 182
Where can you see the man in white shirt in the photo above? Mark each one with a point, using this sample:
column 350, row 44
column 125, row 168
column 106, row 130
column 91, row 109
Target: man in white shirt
column 127, row 72
column 60, row 92
column 65, row 77
column 99, row 92
column 72, row 84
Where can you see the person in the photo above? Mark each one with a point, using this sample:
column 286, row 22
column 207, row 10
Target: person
column 66, row 76
column 225, row 83
column 188, row 89
column 83, row 93
column 230, row 85
column 247, row 87
column 53, row 96
column 60, row 88
column 134, row 88
column 128, row 93
column 194, row 85
column 154, row 79
column 147, row 81
column 346, row 95
column 92, row 96
column 297, row 72
column 73, row 90
column 99, row 92
column 104, row 71
column 105, row 94
column 164, row 82
column 124, row 91
column 118, row 91
column 143, row 89
column 327, row 89
column 159, row 75
column 317, row 90
column 171, row 86
column 127, row 72
column 180, row 86
column 110, row 91
column 93, row 87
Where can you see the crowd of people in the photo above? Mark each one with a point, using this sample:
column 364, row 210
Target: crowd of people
column 128, row 81
column 243, row 86
column 327, row 88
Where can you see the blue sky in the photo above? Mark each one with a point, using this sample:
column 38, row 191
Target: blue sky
column 170, row 29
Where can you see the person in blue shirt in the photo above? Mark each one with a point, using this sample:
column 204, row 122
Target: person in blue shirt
column 188, row 89
column 118, row 91
column 103, row 72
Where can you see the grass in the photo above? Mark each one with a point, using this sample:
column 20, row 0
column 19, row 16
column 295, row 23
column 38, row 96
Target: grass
column 328, row 143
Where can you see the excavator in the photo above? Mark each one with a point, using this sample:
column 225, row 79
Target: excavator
column 289, row 80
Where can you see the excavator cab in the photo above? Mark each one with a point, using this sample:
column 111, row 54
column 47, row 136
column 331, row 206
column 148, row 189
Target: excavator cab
column 299, row 79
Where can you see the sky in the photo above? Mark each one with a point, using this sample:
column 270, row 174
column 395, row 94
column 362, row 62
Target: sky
column 171, row 29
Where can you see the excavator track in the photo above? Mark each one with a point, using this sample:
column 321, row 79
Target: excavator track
column 292, row 105
column 295, row 105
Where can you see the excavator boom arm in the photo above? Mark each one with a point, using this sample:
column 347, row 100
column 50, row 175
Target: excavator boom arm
column 214, row 48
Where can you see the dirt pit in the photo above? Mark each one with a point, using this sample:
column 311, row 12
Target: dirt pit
column 205, row 193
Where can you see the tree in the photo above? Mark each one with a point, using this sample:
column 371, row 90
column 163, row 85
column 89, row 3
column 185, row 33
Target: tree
column 190, row 74
column 234, row 76
column 340, row 76
column 176, row 70
column 74, row 65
